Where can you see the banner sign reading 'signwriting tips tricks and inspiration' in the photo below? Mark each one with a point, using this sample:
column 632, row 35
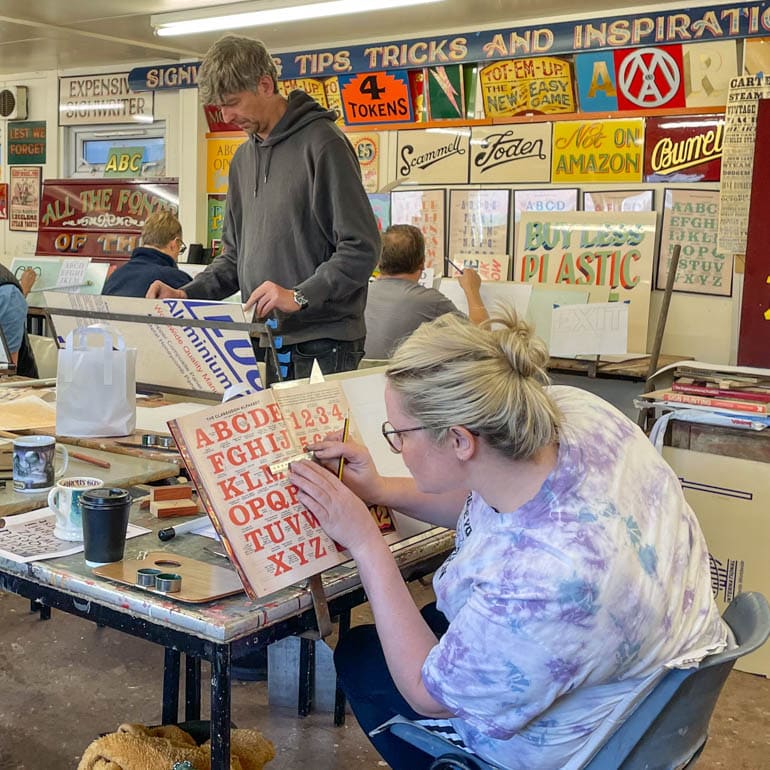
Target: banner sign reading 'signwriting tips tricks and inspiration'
column 538, row 38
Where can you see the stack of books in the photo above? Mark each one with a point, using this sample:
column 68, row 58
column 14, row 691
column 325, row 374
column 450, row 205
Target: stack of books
column 717, row 392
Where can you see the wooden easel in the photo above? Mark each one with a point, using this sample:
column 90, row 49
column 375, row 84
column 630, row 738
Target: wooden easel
column 660, row 329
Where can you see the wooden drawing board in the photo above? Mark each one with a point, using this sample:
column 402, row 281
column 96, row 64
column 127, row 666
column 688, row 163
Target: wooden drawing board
column 201, row 582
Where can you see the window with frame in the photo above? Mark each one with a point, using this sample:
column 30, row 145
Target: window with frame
column 88, row 149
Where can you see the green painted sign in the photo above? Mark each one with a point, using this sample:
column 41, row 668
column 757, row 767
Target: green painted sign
column 124, row 162
column 26, row 143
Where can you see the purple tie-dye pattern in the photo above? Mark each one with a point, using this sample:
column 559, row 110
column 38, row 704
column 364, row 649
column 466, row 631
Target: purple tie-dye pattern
column 563, row 671
column 559, row 610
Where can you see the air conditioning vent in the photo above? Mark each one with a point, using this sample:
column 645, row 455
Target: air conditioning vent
column 13, row 103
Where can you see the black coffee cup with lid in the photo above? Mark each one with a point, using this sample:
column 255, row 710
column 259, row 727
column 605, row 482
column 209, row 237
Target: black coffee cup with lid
column 105, row 522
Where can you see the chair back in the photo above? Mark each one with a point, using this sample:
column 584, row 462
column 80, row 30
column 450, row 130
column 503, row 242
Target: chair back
column 670, row 727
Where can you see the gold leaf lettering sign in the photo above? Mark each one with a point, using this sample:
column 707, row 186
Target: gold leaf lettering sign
column 541, row 84
column 311, row 86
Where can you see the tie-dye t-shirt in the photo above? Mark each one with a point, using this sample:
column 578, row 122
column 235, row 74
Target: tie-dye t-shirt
column 565, row 609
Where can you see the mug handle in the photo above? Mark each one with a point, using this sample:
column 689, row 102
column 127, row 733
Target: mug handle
column 66, row 458
column 52, row 502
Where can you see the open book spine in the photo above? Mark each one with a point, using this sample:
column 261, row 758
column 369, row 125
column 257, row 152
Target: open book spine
column 733, row 405
column 737, row 394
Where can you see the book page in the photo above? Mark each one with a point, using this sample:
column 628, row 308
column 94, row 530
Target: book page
column 312, row 411
column 272, row 540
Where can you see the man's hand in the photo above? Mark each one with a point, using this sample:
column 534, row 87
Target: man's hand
column 160, row 290
column 470, row 283
column 270, row 296
column 27, row 279
column 469, row 280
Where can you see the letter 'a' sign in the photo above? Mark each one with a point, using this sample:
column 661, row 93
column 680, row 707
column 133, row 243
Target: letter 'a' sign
column 376, row 97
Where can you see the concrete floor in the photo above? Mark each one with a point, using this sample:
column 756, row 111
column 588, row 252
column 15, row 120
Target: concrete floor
column 64, row 681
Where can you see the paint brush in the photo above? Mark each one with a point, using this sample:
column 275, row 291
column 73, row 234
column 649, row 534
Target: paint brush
column 459, row 269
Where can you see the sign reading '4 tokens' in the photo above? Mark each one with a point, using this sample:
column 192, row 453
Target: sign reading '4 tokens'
column 376, row 97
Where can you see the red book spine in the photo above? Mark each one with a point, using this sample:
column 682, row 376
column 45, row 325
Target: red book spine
column 716, row 403
column 738, row 395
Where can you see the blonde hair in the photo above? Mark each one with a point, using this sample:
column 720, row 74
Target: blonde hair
column 488, row 378
column 160, row 228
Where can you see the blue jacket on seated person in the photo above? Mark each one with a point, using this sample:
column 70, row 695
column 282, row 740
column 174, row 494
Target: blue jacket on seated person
column 145, row 266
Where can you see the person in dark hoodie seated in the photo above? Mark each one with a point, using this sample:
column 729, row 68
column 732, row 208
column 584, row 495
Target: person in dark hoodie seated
column 299, row 237
column 155, row 259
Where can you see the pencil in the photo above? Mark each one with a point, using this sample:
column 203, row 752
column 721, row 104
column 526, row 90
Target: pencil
column 93, row 460
column 459, row 269
column 345, row 431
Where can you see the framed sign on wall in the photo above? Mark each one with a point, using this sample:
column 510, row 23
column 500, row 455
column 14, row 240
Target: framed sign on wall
column 24, row 206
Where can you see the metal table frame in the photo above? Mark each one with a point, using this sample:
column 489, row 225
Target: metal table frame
column 44, row 596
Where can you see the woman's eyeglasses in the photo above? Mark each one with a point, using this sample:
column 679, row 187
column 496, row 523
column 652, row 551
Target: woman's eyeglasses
column 393, row 436
column 182, row 246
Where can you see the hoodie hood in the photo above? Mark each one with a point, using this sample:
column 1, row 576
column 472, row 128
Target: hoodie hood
column 301, row 110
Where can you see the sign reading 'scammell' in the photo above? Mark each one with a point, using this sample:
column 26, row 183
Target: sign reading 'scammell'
column 541, row 84
column 598, row 151
column 678, row 150
column 433, row 158
column 107, row 98
column 513, row 153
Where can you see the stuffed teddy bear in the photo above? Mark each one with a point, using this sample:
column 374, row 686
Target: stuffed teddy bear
column 136, row 747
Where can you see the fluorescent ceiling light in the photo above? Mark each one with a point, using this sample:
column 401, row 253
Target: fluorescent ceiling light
column 257, row 14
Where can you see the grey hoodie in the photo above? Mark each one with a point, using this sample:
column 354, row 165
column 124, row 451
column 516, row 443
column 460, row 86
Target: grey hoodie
column 297, row 214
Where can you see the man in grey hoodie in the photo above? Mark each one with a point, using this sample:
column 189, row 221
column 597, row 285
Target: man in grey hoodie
column 299, row 236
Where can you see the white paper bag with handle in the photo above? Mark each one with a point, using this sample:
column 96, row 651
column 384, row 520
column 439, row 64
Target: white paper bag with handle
column 96, row 384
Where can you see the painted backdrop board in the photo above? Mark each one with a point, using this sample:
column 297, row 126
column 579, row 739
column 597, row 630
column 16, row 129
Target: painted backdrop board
column 425, row 209
column 690, row 220
column 607, row 253
column 478, row 222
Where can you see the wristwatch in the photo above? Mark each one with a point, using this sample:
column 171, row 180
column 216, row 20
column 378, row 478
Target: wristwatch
column 300, row 299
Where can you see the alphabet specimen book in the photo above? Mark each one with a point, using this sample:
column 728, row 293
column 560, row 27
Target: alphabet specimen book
column 236, row 453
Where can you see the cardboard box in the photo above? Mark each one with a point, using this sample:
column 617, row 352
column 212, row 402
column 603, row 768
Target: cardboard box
column 731, row 499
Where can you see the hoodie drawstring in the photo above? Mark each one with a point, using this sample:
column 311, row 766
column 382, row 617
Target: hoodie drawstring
column 258, row 153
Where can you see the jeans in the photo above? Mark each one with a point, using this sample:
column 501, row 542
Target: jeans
column 332, row 356
column 373, row 696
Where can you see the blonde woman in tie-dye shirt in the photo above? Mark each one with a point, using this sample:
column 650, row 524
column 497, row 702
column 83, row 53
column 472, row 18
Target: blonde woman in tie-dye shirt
column 579, row 571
